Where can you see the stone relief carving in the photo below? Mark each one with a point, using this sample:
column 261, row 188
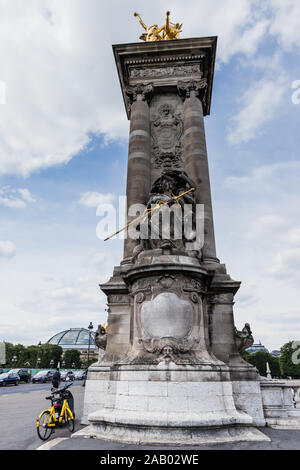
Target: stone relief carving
column 142, row 285
column 171, row 349
column 244, row 338
column 194, row 285
column 166, row 134
column 175, row 70
column 166, row 281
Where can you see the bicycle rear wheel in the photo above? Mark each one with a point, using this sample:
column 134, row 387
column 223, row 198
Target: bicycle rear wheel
column 43, row 431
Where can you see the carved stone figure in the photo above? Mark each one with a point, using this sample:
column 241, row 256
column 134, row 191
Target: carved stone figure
column 166, row 190
column 244, row 338
column 166, row 132
column 101, row 337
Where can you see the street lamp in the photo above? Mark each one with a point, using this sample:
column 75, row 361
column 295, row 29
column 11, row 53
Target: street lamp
column 73, row 365
column 38, row 358
column 63, row 364
column 90, row 327
column 51, row 363
column 14, row 360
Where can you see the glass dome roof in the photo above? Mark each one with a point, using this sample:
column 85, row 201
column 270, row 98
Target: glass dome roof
column 73, row 338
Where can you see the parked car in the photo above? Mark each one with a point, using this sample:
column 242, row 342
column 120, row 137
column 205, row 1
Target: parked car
column 43, row 376
column 65, row 376
column 9, row 378
column 80, row 375
column 24, row 374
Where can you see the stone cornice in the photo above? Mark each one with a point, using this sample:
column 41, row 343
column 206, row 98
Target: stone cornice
column 165, row 63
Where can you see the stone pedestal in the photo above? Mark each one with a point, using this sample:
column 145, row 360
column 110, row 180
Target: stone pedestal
column 171, row 372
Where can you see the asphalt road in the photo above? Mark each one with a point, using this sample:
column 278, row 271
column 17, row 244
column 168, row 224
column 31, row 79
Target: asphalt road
column 21, row 405
column 19, row 408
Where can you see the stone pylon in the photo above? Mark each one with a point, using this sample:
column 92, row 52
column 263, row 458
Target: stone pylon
column 172, row 370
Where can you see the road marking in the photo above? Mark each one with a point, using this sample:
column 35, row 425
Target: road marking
column 51, row 444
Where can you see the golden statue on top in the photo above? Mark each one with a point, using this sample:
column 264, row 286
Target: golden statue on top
column 168, row 31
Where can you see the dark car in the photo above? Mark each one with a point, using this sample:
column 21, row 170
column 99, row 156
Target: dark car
column 24, row 374
column 65, row 376
column 43, row 376
column 9, row 378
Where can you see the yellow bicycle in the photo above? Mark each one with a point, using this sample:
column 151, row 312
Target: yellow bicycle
column 58, row 414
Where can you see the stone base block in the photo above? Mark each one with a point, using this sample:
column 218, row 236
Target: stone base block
column 171, row 436
column 247, row 398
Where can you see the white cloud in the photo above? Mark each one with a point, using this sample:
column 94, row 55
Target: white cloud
column 93, row 199
column 287, row 265
column 15, row 198
column 265, row 226
column 7, row 249
column 267, row 178
column 63, row 88
column 259, row 105
column 285, row 24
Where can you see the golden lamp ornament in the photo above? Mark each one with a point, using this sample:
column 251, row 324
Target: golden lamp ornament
column 167, row 32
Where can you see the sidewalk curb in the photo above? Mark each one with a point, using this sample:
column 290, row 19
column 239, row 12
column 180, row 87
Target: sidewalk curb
column 53, row 443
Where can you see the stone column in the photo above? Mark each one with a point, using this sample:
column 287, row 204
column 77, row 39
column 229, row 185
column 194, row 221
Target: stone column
column 138, row 170
column 222, row 325
column 195, row 157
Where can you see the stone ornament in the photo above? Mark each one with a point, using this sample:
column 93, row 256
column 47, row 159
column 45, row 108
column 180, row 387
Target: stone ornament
column 144, row 91
column 170, row 350
column 173, row 70
column 166, row 134
column 166, row 281
column 140, row 297
column 198, row 86
column 194, row 297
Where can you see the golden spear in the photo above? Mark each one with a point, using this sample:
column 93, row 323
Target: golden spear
column 149, row 211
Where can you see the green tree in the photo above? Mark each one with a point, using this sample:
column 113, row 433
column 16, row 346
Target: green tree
column 14, row 351
column 260, row 359
column 48, row 353
column 288, row 361
column 72, row 356
column 30, row 354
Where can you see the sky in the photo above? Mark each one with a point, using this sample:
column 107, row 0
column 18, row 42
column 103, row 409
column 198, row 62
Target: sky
column 63, row 148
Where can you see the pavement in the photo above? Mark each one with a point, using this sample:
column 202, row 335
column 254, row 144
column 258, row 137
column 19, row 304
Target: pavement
column 20, row 406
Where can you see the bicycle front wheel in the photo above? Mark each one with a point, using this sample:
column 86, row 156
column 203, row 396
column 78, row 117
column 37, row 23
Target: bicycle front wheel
column 44, row 432
column 70, row 422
